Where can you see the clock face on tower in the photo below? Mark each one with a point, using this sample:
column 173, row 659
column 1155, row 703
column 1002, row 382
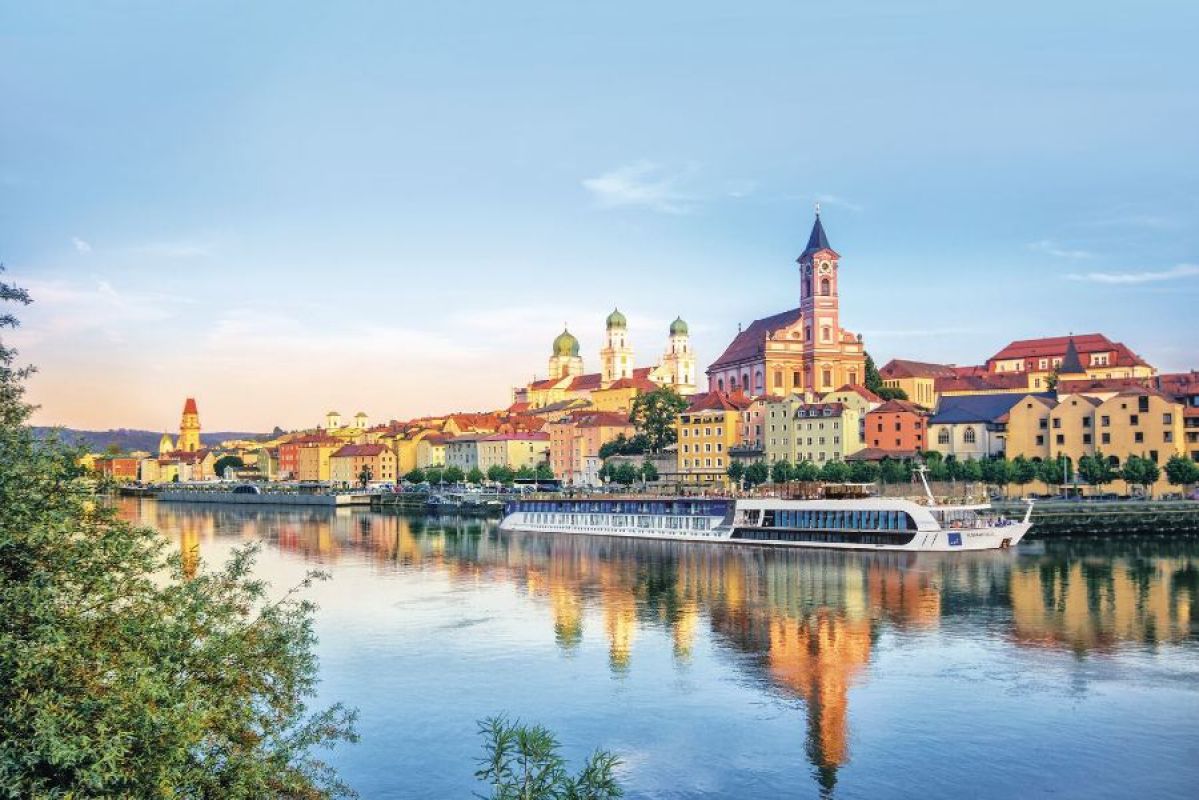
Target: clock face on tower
column 825, row 268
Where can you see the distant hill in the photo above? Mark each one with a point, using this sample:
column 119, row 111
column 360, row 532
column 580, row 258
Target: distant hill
column 128, row 440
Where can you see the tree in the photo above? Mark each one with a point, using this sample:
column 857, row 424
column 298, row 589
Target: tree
column 873, row 380
column 501, row 474
column 863, row 472
column 1052, row 379
column 543, row 471
column 1096, row 470
column 806, row 471
column 971, row 470
column 607, row 472
column 365, row 476
column 834, row 472
column 625, row 474
column 649, row 473
column 224, row 462
column 624, row 446
column 892, row 471
column 124, row 672
column 1052, row 472
column 736, row 472
column 655, row 414
column 1182, row 471
column 1143, row 472
column 435, row 474
column 756, row 473
column 415, row 476
column 526, row 473
column 522, row 763
column 453, row 474
column 780, row 471
column 997, row 471
column 475, row 476
column 1023, row 471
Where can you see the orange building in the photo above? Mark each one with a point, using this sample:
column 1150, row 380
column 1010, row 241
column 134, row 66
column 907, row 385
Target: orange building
column 119, row 468
column 575, row 442
column 897, row 426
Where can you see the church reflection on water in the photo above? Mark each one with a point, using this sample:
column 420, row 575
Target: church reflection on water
column 807, row 622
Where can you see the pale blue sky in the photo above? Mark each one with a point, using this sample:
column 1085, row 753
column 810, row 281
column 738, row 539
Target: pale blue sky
column 285, row 207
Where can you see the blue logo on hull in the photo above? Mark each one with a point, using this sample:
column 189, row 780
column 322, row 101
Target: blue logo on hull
column 955, row 540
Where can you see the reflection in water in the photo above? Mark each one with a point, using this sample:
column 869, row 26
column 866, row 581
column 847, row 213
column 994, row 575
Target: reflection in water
column 807, row 621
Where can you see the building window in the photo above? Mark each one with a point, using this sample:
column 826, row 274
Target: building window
column 825, row 287
column 1040, row 440
column 1057, row 422
column 1086, row 438
column 1134, row 419
column 778, row 379
column 1168, row 436
column 1061, row 439
column 1167, row 419
column 1138, row 437
column 795, row 379
column 828, row 378
column 968, row 436
column 826, row 334
column 1143, row 403
column 1106, row 438
column 943, row 436
column 1105, row 421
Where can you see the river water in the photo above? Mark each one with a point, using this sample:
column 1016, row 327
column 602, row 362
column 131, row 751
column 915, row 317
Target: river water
column 1064, row 669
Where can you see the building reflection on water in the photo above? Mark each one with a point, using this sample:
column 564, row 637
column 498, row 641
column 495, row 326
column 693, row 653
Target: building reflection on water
column 807, row 620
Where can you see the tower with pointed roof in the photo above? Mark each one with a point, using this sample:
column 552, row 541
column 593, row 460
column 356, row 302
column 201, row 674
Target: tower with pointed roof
column 678, row 363
column 616, row 358
column 189, row 428
column 804, row 349
column 166, row 445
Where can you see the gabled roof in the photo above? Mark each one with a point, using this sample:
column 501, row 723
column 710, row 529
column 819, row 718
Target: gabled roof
column 752, row 341
column 353, row 450
column 526, row 436
column 985, row 382
column 865, row 393
column 896, row 407
column 1053, row 346
column 1179, row 384
column 636, row 382
column 978, row 407
column 903, row 368
column 601, row 419
column 718, row 401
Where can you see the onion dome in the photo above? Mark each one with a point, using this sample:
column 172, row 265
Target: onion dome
column 566, row 344
column 616, row 320
column 678, row 327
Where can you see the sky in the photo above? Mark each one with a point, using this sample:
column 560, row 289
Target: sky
column 282, row 208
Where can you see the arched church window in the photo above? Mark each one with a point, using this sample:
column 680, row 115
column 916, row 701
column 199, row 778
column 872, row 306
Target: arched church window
column 943, row 436
column 968, row 436
column 778, row 378
column 720, row 384
column 825, row 287
column 745, row 381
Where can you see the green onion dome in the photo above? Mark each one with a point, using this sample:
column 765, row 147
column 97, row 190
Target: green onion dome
column 678, row 327
column 616, row 320
column 566, row 344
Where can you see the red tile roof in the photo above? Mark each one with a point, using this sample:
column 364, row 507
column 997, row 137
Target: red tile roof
column 527, row 436
column 987, row 382
column 718, row 401
column 878, row 454
column 636, row 382
column 602, row 419
column 1055, row 346
column 861, row 390
column 902, row 368
column 1179, row 383
column 896, row 407
column 189, row 406
column 751, row 342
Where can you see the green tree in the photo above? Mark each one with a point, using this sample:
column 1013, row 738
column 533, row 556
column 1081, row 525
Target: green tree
column 873, row 381
column 526, row 473
column 128, row 671
column 543, row 471
column 649, row 473
column 415, row 476
column 1052, row 472
column 114, row 449
column 613, row 448
column 625, row 474
column 1143, row 472
column 453, row 474
column 780, row 471
column 522, row 763
column 736, row 472
column 1182, row 471
column 607, row 472
column 834, row 472
column 891, row 470
column 655, row 414
column 365, row 476
column 1023, row 471
column 997, row 471
column 863, row 472
column 757, row 473
column 971, row 470
column 806, row 471
column 501, row 474
column 1096, row 470
column 224, row 462
column 475, row 476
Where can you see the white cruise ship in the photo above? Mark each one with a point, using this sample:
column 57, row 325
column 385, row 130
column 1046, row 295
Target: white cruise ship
column 857, row 524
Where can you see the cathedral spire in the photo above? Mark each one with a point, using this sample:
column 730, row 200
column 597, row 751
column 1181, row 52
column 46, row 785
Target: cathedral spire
column 817, row 240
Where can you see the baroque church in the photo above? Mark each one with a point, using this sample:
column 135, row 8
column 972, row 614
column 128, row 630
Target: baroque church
column 801, row 350
column 618, row 371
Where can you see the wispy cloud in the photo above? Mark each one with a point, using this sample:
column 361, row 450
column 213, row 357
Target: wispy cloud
column 80, row 245
column 1124, row 278
column 67, row 310
column 641, row 184
column 837, row 201
column 1054, row 249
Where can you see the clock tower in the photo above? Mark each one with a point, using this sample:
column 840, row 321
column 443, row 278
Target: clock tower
column 820, row 311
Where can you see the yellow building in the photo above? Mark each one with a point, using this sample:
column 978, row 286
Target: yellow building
column 313, row 457
column 1140, row 423
column 430, row 451
column 917, row 379
column 515, row 450
column 707, row 430
column 348, row 463
column 189, row 428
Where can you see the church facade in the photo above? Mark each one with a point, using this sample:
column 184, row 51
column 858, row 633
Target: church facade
column 804, row 349
column 618, row 376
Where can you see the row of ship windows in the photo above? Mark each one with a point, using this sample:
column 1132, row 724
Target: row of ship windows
column 822, row 537
column 854, row 520
column 669, row 523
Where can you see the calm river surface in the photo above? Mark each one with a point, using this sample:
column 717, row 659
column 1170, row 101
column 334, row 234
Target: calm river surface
column 1065, row 670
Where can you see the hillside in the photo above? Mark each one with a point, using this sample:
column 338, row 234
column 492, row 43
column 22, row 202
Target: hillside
column 128, row 440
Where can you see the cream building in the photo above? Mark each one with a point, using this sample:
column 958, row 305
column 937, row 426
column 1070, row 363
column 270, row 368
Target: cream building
column 798, row 431
column 515, row 450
